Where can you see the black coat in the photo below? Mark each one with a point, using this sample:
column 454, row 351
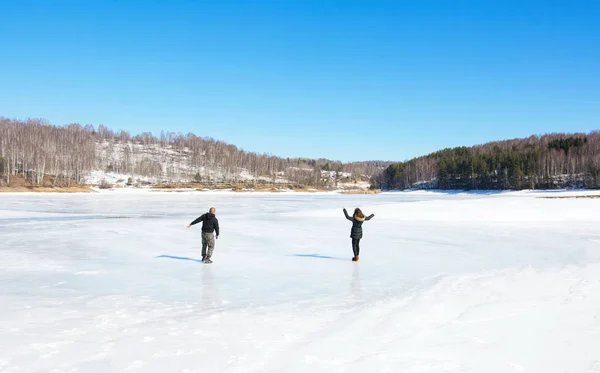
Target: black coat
column 209, row 223
column 356, row 231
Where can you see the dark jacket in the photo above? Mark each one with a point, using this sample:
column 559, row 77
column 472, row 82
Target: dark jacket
column 209, row 223
column 356, row 231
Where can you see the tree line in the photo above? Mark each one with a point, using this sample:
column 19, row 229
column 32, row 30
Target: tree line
column 550, row 161
column 34, row 148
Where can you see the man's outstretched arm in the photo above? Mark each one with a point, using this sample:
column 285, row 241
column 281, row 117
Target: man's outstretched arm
column 197, row 220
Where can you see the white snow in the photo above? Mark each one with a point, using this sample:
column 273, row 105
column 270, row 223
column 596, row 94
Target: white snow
column 176, row 166
column 447, row 282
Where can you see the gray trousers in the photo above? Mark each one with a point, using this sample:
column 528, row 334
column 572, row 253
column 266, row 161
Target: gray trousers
column 208, row 240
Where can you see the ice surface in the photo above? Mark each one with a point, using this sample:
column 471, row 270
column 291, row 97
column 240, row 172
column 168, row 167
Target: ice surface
column 111, row 282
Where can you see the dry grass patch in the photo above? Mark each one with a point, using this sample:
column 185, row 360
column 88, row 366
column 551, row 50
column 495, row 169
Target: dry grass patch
column 177, row 186
column 362, row 191
column 272, row 188
column 197, row 186
column 562, row 197
column 74, row 189
column 48, row 184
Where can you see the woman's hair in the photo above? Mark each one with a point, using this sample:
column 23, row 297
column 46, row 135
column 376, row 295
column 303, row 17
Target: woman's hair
column 358, row 213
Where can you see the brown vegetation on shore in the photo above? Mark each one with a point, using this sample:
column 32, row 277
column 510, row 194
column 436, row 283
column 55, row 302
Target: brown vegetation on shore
column 249, row 187
column 49, row 184
column 362, row 191
column 583, row 196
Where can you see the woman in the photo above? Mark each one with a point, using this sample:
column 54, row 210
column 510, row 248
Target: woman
column 357, row 220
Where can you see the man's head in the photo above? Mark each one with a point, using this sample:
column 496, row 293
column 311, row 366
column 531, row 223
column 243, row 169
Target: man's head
column 212, row 210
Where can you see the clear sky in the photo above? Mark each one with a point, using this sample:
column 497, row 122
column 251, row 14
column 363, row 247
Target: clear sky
column 344, row 80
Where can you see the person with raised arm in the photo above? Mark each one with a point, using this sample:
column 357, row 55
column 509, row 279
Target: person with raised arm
column 210, row 226
column 356, row 233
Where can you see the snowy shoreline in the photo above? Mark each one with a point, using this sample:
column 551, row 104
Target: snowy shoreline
column 119, row 191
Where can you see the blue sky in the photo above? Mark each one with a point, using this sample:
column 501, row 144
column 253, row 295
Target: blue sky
column 344, row 80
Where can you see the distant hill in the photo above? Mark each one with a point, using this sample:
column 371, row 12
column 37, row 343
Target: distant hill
column 87, row 155
column 557, row 160
column 75, row 154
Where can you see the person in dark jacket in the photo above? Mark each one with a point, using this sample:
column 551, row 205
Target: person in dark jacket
column 356, row 233
column 210, row 225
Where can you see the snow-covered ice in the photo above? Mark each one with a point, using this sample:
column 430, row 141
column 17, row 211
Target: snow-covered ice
column 447, row 282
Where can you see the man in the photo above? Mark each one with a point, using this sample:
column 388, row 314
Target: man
column 210, row 224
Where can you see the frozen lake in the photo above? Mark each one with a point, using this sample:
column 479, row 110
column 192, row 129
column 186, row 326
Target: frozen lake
column 456, row 282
